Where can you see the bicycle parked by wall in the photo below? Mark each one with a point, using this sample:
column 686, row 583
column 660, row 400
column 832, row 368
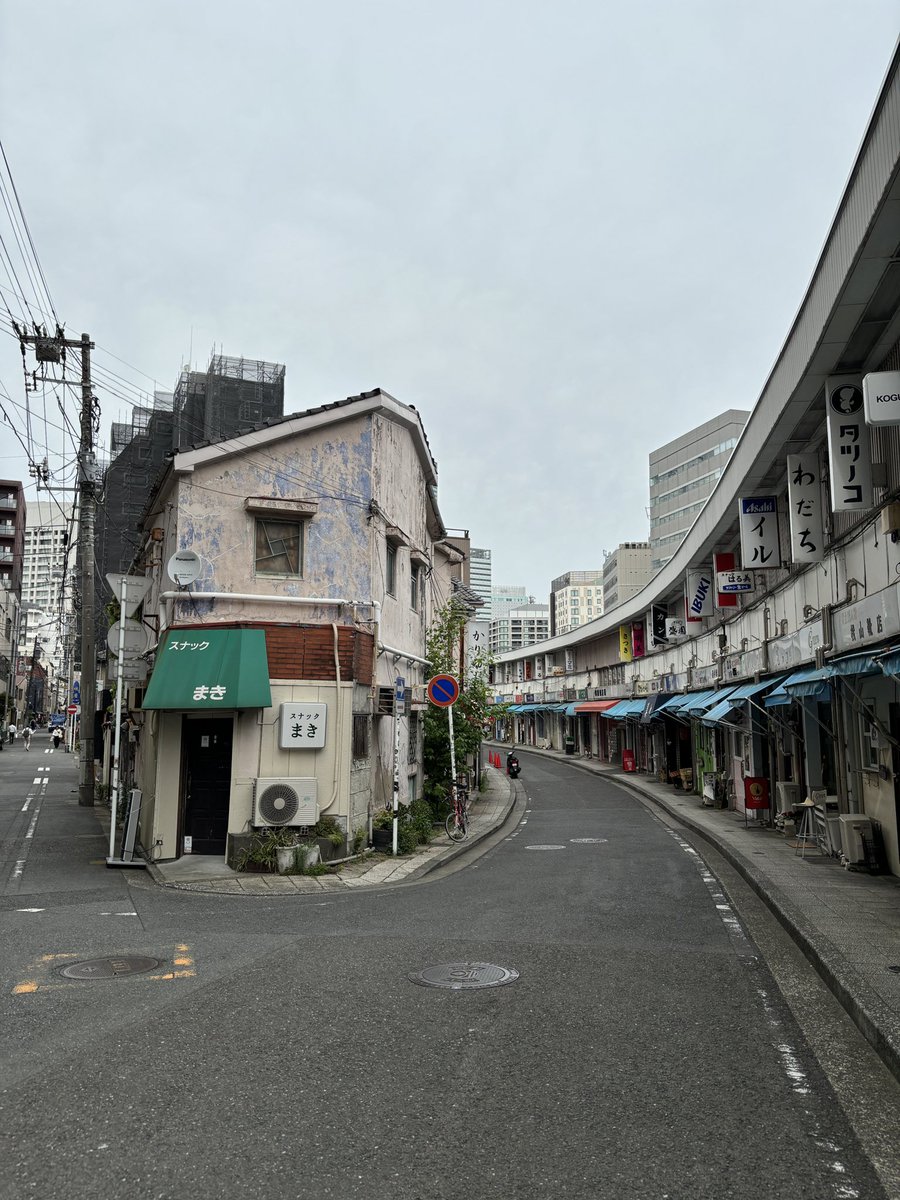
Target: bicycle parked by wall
column 457, row 823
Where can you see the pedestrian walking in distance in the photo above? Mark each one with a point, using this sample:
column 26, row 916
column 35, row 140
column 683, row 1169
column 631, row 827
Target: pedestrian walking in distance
column 12, row 731
column 26, row 737
column 57, row 737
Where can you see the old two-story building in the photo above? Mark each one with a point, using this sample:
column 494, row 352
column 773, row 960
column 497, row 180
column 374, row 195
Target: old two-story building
column 294, row 571
column 760, row 667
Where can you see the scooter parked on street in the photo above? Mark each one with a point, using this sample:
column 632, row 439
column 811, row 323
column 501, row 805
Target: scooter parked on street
column 512, row 766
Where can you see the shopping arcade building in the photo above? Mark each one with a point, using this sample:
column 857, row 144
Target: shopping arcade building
column 817, row 642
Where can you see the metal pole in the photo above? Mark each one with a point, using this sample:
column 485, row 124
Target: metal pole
column 452, row 748
column 396, row 787
column 120, row 683
column 86, row 549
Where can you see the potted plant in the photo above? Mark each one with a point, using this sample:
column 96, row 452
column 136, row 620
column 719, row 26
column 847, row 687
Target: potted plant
column 382, row 830
column 261, row 855
column 331, row 839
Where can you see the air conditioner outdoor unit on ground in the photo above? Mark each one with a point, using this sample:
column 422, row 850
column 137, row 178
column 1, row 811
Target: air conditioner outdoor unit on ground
column 853, row 829
column 788, row 796
column 284, row 802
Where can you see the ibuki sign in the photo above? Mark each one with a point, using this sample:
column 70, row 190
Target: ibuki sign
column 699, row 595
column 758, row 517
column 302, row 725
column 849, row 451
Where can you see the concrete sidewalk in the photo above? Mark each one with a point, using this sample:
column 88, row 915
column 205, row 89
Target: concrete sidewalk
column 846, row 922
column 199, row 873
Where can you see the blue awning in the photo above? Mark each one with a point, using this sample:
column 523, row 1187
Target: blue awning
column 704, row 702
column 569, row 709
column 853, row 664
column 625, row 708
column 890, row 662
column 677, row 703
column 724, row 709
column 811, row 682
column 516, row 708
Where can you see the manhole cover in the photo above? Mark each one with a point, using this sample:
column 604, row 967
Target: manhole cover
column 464, row 975
column 110, row 968
column 588, row 841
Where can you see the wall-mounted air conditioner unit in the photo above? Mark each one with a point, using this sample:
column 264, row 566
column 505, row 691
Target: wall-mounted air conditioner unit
column 787, row 795
column 853, row 829
column 284, row 802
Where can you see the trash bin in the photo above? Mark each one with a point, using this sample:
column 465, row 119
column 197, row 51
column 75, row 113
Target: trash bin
column 570, row 745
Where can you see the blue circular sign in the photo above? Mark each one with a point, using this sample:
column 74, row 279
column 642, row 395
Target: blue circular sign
column 443, row 690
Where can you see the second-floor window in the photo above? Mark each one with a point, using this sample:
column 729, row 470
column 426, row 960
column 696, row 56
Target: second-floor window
column 390, row 569
column 279, row 547
column 415, row 579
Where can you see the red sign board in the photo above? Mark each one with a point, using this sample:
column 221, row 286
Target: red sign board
column 756, row 792
column 627, row 760
column 724, row 562
column 72, row 709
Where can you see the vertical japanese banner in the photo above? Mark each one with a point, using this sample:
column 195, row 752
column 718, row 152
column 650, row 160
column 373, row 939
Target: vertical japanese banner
column 804, row 473
column 477, row 639
column 724, row 562
column 849, row 453
column 759, row 532
column 637, row 640
column 658, row 615
column 625, row 643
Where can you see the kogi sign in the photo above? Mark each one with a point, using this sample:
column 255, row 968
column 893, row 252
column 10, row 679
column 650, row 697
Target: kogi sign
column 881, row 392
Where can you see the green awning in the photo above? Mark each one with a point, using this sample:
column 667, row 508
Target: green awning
column 209, row 669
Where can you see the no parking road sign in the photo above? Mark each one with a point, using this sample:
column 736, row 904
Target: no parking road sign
column 443, row 690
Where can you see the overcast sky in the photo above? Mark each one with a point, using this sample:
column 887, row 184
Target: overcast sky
column 566, row 232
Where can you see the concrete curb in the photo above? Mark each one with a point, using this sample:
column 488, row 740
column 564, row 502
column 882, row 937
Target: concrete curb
column 876, row 1020
column 878, row 1024
column 448, row 854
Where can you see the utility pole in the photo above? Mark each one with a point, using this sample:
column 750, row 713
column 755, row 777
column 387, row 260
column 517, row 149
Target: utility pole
column 51, row 348
column 87, row 506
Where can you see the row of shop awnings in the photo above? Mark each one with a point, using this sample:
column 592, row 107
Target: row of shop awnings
column 716, row 705
column 569, row 710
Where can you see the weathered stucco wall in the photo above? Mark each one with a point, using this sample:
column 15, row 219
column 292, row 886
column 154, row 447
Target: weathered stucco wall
column 331, row 466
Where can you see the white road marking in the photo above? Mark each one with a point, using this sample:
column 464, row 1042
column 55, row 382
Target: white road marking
column 31, row 910
column 790, row 1060
column 34, row 821
column 545, row 847
column 588, row 841
column 18, row 869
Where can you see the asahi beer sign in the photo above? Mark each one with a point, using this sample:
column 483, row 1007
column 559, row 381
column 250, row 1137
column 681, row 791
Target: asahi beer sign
column 881, row 396
column 849, row 451
column 700, row 598
column 804, row 472
column 759, row 532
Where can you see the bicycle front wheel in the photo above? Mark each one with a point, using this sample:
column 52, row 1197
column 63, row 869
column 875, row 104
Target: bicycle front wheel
column 457, row 826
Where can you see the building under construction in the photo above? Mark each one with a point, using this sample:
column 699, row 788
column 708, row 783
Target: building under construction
column 231, row 395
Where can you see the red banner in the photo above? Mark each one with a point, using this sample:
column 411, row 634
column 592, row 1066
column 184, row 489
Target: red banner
column 756, row 792
column 724, row 562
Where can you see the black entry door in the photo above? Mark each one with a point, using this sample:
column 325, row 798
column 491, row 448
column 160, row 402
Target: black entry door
column 207, row 782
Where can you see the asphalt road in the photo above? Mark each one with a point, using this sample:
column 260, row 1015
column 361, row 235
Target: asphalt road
column 281, row 1050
